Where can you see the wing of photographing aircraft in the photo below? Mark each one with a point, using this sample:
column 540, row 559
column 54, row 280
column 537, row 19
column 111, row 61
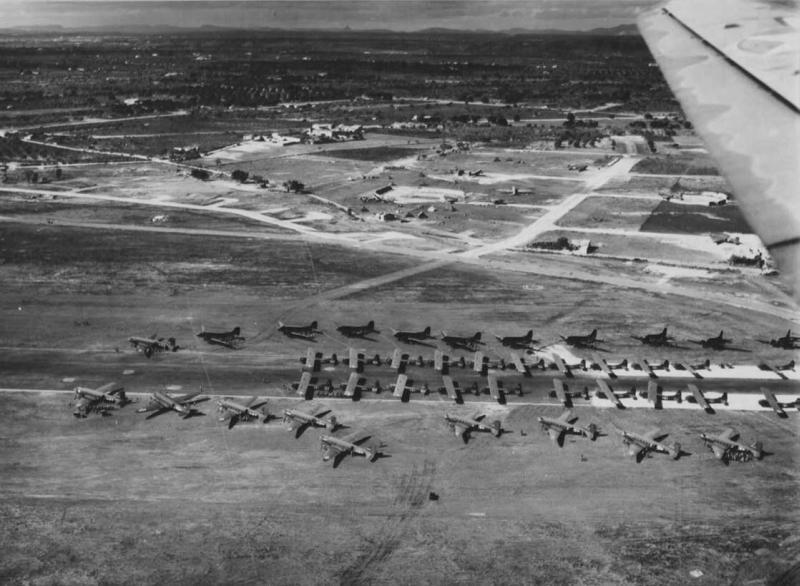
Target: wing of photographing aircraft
column 733, row 66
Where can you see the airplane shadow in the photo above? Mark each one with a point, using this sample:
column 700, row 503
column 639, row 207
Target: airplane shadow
column 300, row 337
column 192, row 414
column 420, row 343
column 339, row 458
column 300, row 431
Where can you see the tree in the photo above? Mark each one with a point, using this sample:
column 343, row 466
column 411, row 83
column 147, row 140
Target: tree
column 239, row 175
column 294, row 185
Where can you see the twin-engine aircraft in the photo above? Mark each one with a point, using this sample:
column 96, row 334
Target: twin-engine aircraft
column 462, row 425
column 234, row 412
column 298, row 420
column 640, row 445
column 587, row 341
column 357, row 331
column 659, row 339
column 184, row 406
column 350, row 445
column 787, row 342
column 518, row 342
column 557, row 428
column 153, row 344
column 469, row 343
column 716, row 343
column 413, row 337
column 726, row 448
column 306, row 332
column 232, row 339
column 99, row 400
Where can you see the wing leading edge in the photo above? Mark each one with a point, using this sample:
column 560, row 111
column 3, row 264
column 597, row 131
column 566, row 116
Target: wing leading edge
column 733, row 65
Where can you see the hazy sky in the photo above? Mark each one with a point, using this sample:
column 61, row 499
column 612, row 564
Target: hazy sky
column 356, row 14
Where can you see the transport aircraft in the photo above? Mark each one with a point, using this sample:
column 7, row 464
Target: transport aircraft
column 234, row 411
column 726, row 448
column 358, row 331
column 639, row 445
column 659, row 339
column 587, row 341
column 413, row 337
column 519, row 342
column 558, row 427
column 298, row 420
column 463, row 425
column 787, row 342
column 469, row 343
column 350, row 445
column 716, row 343
column 161, row 402
column 307, row 332
column 232, row 339
column 151, row 345
column 99, row 400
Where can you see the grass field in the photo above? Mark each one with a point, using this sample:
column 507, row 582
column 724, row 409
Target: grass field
column 675, row 218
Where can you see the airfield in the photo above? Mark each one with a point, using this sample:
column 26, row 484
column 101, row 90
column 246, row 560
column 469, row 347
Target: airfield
column 137, row 246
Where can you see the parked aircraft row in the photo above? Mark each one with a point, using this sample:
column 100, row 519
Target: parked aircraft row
column 110, row 396
column 151, row 345
column 471, row 343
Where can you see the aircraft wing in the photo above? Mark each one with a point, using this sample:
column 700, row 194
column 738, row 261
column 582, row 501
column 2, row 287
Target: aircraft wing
column 728, row 434
column 400, row 385
column 773, row 402
column 461, row 428
column 450, row 387
column 438, row 360
column 718, row 450
column 494, row 388
column 350, row 389
column 188, row 399
column 653, row 434
column 554, row 433
column 733, row 67
column 558, row 387
column 698, row 396
column 478, row 365
column 108, row 388
column 305, row 380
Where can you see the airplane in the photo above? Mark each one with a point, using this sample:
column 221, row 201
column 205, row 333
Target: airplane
column 358, row 331
column 752, row 47
column 462, row 425
column 659, row 339
column 557, row 428
column 413, row 337
column 234, row 412
column 337, row 447
column 587, row 341
column 100, row 400
column 787, row 342
column 164, row 402
column 231, row 339
column 640, row 445
column 151, row 345
column 564, row 395
column 715, row 343
column 298, row 420
column 467, row 343
column 726, row 448
column 772, row 402
column 307, row 332
column 519, row 342
column 605, row 391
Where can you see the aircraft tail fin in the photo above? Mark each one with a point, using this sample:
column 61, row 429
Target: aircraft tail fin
column 758, row 450
column 496, row 428
column 332, row 424
column 314, row 325
column 477, row 337
column 664, row 332
column 592, row 431
column 427, row 331
column 280, row 325
column 593, row 335
column 529, row 335
column 371, row 325
column 720, row 334
column 675, row 451
column 236, row 331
